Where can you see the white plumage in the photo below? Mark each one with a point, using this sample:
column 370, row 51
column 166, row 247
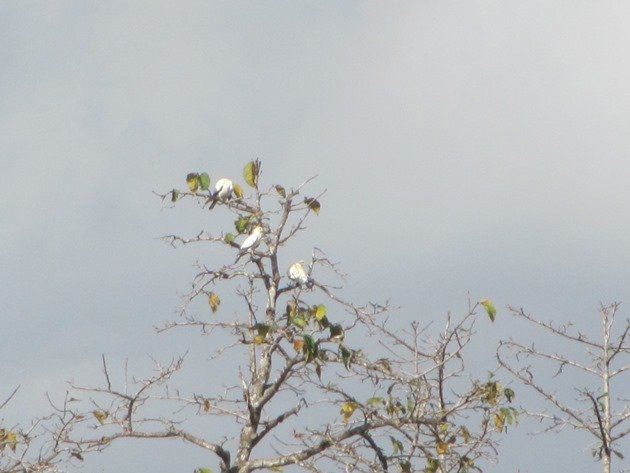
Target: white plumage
column 297, row 273
column 222, row 191
column 253, row 238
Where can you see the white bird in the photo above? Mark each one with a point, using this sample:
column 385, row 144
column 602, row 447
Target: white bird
column 252, row 240
column 297, row 273
column 222, row 191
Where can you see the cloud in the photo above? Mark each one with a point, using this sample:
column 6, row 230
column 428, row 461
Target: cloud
column 464, row 146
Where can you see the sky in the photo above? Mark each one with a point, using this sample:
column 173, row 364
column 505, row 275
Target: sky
column 466, row 148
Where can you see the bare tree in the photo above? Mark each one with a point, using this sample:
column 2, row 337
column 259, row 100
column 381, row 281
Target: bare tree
column 307, row 378
column 597, row 407
column 38, row 446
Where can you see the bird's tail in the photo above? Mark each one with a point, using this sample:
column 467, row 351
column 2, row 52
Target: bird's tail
column 214, row 199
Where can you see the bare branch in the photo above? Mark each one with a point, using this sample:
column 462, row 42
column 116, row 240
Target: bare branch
column 600, row 423
column 6, row 401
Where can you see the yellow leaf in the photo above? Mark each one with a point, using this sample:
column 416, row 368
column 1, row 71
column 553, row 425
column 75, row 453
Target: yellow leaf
column 490, row 392
column 192, row 179
column 490, row 309
column 259, row 339
column 280, row 190
column 347, row 409
column 101, row 416
column 214, row 302
column 499, row 422
column 250, row 173
column 298, row 344
column 8, row 439
column 465, row 434
column 291, row 309
column 313, row 204
column 238, row 191
column 442, row 448
column 320, row 312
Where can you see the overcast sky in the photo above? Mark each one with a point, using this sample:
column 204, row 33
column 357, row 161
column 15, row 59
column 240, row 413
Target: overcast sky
column 466, row 146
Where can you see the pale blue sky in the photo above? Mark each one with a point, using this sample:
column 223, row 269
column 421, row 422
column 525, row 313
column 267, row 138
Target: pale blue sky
column 466, row 146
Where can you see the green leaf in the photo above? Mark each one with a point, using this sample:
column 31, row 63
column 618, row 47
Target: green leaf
column 262, row 329
column 280, row 190
column 298, row 322
column 214, row 302
column 490, row 309
column 509, row 394
column 192, row 179
column 310, row 348
column 174, row 195
column 397, row 445
column 432, row 465
column 336, row 332
column 229, row 238
column 346, row 356
column 241, row 224
column 251, row 172
column 405, row 466
column 204, row 181
column 465, row 464
column 309, row 343
column 313, row 204
column 203, row 470
column 375, row 400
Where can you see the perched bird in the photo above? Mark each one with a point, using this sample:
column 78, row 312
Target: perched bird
column 253, row 238
column 297, row 273
column 222, row 191
column 251, row 241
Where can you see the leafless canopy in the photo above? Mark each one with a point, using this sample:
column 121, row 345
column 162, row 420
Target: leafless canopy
column 599, row 406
